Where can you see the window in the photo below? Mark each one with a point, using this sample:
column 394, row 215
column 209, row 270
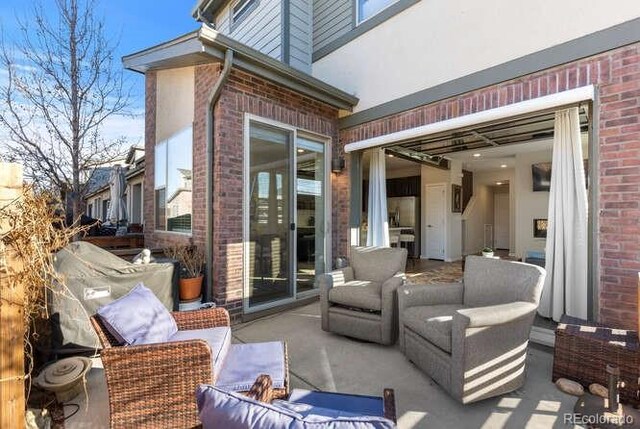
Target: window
column 90, row 210
column 173, row 182
column 105, row 209
column 242, row 9
column 369, row 8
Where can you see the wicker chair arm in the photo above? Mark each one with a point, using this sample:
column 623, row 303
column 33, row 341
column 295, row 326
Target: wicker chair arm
column 154, row 384
column 201, row 319
column 262, row 389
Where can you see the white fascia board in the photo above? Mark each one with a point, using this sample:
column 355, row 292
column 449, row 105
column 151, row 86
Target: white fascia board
column 560, row 99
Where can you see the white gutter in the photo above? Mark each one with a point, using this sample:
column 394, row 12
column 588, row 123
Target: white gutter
column 572, row 96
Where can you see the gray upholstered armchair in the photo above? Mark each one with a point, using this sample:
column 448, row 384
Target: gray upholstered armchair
column 472, row 337
column 360, row 301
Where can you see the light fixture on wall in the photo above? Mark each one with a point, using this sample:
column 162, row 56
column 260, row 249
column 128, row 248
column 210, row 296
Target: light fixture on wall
column 337, row 164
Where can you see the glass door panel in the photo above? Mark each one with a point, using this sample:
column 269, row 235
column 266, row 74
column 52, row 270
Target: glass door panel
column 270, row 213
column 310, row 212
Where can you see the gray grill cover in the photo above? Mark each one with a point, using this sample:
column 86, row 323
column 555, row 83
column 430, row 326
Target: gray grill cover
column 94, row 278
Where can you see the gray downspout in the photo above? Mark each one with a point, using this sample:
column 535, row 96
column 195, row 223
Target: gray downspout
column 211, row 101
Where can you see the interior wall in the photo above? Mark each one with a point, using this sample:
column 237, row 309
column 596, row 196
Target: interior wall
column 529, row 205
column 503, row 191
column 480, row 209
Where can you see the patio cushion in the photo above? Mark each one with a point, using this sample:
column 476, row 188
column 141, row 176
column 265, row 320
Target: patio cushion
column 245, row 362
column 357, row 293
column 219, row 339
column 433, row 323
column 220, row 409
column 377, row 264
column 351, row 404
column 138, row 318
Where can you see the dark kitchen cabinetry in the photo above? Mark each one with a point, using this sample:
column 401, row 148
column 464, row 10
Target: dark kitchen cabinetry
column 399, row 187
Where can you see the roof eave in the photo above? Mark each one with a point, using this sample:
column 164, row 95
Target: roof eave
column 205, row 44
column 206, row 9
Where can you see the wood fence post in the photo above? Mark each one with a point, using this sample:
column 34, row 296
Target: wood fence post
column 12, row 393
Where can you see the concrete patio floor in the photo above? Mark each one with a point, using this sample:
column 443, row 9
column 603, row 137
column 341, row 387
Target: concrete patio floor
column 320, row 360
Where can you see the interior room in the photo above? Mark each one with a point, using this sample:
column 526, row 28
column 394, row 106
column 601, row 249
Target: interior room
column 486, row 187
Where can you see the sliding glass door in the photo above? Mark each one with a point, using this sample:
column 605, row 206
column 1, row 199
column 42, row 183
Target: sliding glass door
column 285, row 245
column 310, row 212
column 269, row 241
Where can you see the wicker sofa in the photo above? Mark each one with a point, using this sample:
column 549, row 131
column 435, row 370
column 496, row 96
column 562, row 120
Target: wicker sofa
column 472, row 337
column 153, row 385
column 360, row 300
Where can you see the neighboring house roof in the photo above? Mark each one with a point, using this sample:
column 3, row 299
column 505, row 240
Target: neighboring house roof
column 176, row 193
column 99, row 180
column 206, row 44
column 134, row 154
column 137, row 169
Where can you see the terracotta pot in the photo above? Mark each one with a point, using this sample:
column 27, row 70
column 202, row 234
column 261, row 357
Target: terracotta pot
column 190, row 288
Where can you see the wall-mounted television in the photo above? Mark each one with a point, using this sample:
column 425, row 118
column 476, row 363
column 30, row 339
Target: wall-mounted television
column 541, row 175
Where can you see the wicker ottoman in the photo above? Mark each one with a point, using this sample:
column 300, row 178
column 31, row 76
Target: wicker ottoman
column 245, row 362
column 583, row 349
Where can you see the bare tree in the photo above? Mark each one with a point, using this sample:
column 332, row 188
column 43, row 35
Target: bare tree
column 62, row 85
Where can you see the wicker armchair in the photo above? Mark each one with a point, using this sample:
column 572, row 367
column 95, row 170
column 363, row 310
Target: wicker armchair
column 153, row 385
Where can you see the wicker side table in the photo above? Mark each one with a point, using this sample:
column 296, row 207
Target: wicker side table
column 583, row 349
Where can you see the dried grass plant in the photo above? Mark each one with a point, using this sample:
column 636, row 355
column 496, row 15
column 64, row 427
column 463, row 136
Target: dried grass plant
column 191, row 259
column 34, row 231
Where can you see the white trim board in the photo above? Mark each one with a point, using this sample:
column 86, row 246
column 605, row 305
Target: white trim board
column 560, row 99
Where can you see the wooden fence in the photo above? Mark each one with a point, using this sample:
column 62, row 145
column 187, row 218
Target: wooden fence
column 12, row 395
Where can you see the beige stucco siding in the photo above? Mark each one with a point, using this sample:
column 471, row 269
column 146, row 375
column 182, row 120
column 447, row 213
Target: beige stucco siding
column 436, row 41
column 175, row 106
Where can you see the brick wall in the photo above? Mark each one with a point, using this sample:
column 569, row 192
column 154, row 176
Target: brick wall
column 617, row 77
column 241, row 94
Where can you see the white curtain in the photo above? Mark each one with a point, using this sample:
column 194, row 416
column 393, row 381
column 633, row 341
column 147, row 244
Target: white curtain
column 377, row 220
column 565, row 289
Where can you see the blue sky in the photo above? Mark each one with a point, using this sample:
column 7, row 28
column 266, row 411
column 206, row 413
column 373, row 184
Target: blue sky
column 137, row 23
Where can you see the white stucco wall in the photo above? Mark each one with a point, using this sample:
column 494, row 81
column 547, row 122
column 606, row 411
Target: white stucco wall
column 175, row 101
column 435, row 41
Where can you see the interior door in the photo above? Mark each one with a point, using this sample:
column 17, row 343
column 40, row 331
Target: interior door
column 501, row 220
column 435, row 221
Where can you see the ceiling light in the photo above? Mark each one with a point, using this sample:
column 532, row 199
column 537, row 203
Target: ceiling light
column 390, row 155
column 498, row 183
column 476, row 155
column 300, row 150
column 503, row 166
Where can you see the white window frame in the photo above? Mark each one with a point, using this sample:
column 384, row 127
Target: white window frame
column 359, row 19
column 236, row 18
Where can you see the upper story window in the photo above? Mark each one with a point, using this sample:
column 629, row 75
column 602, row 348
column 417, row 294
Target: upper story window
column 369, row 8
column 241, row 9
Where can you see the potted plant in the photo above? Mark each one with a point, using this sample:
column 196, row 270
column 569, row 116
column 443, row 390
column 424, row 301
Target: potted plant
column 191, row 261
column 487, row 252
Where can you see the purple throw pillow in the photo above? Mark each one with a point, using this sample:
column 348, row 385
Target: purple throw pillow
column 138, row 318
